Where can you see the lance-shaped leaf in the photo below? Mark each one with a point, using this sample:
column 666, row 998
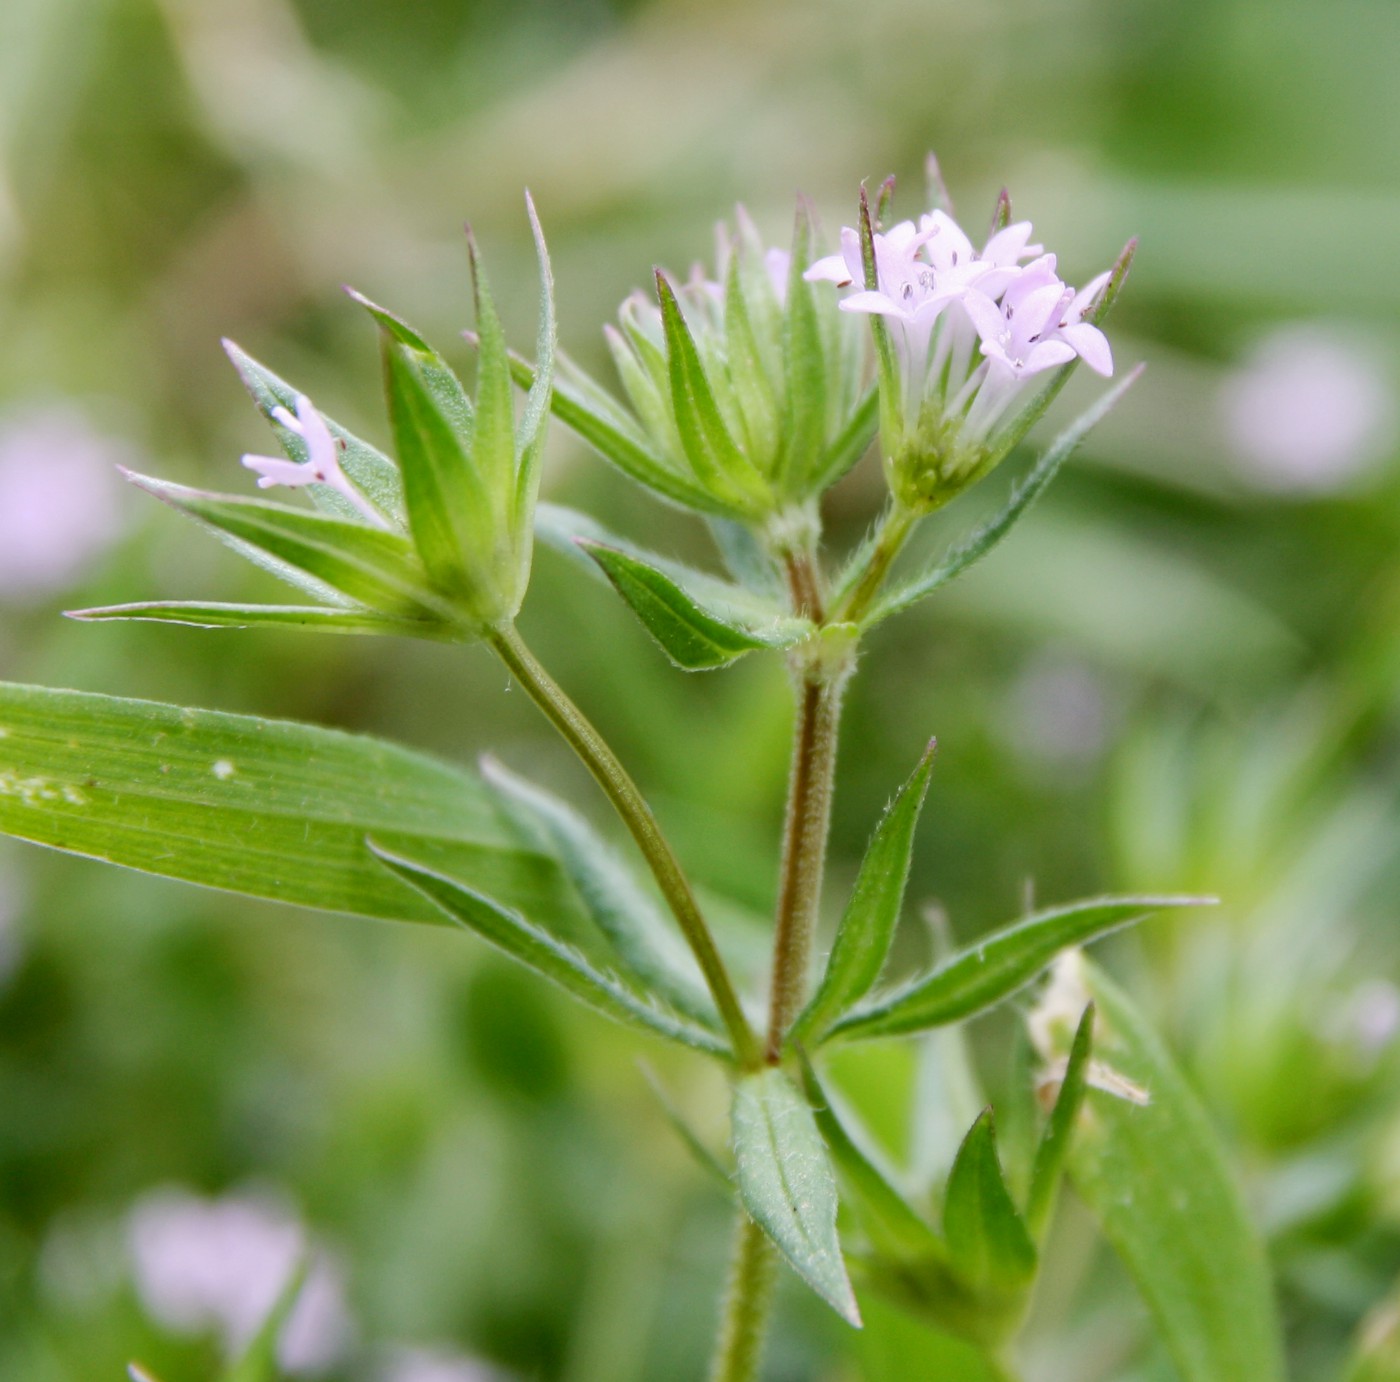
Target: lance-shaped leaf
column 452, row 513
column 891, row 390
column 987, row 1238
column 368, row 468
column 646, row 945
column 986, row 535
column 1054, row 1145
column 260, row 807
column 328, row 556
column 714, row 455
column 867, row 928
column 562, row 528
column 522, row 940
column 693, row 636
column 893, row 1224
column 1157, row 1179
column 804, row 367
column 851, row 442
column 604, row 424
column 997, row 966
column 529, row 438
column 493, row 442
column 787, row 1185
column 747, row 369
column 438, row 375
column 215, row 615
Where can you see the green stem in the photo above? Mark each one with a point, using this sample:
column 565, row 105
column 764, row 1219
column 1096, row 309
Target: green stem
column 629, row 803
column 820, row 691
column 895, row 528
column 748, row 1302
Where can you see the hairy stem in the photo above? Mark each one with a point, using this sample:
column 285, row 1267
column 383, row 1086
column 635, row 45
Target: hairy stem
column 747, row 1304
column 629, row 803
column 894, row 531
column 819, row 693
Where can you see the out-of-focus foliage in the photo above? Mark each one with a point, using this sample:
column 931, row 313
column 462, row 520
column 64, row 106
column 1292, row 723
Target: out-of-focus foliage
column 1182, row 672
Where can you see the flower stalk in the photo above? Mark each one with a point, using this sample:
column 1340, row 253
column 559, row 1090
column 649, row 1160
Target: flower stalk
column 627, row 800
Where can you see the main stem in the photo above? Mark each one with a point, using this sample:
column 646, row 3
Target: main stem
column 747, row 1302
column 629, row 803
column 819, row 694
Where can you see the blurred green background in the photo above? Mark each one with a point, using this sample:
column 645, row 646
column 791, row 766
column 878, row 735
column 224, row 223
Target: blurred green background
column 1183, row 671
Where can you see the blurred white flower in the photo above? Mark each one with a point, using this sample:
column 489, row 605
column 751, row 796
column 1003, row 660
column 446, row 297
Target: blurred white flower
column 60, row 499
column 1309, row 410
column 436, row 1365
column 220, row 1265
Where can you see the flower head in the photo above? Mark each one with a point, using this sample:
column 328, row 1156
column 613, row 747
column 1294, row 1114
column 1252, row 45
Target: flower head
column 322, row 463
column 967, row 332
column 743, row 382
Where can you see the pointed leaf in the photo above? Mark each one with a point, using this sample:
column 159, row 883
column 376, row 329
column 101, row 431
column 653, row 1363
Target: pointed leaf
column 438, row 376
column 1156, row 1177
column 990, row 1247
column 1054, row 1146
column 561, row 528
column 787, row 1185
column 986, row 535
column 371, row 471
column 997, row 966
column 493, row 445
column 450, row 511
column 647, row 946
column 370, row 566
column 893, row 1224
column 600, row 420
column 748, row 373
column 213, row 615
column 854, row 439
column 261, row 807
column 718, row 463
column 694, row 637
column 530, row 437
column 510, row 932
column 863, row 938
column 804, row 368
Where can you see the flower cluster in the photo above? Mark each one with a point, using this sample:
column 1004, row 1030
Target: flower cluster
column 967, row 332
column 745, row 387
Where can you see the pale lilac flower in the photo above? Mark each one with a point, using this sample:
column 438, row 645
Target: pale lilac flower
column 969, row 328
column 322, row 463
column 1310, row 410
column 221, row 1265
column 60, row 500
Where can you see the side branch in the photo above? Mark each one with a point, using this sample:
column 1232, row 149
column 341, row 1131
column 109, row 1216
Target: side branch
column 632, row 807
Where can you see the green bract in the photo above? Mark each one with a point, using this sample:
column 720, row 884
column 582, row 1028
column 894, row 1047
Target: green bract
column 439, row 546
column 747, row 392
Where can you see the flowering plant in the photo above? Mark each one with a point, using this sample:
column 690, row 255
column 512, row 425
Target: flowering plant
column 747, row 396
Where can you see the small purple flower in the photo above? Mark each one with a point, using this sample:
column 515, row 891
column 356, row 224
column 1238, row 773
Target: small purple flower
column 322, row 464
column 969, row 329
